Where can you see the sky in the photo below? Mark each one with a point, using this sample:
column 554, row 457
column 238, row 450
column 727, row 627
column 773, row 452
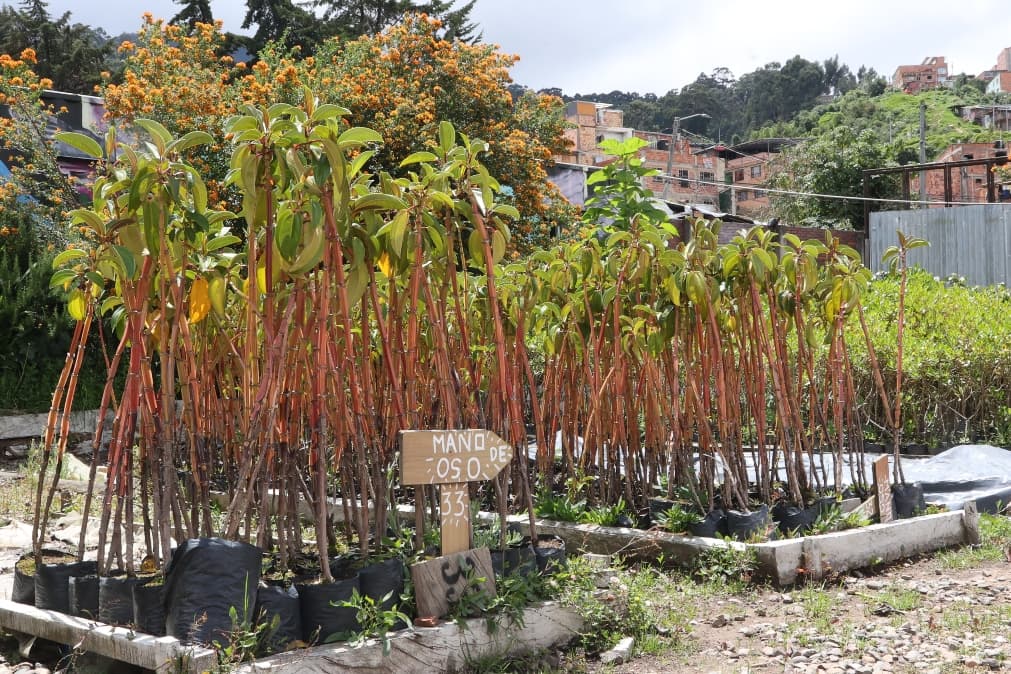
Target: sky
column 654, row 46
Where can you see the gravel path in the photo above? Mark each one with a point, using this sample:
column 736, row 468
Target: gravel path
column 916, row 617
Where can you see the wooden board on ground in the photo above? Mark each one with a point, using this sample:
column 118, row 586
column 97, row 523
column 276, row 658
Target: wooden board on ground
column 441, row 582
column 883, row 490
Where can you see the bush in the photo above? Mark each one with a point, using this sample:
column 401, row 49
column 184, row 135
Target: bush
column 35, row 329
column 956, row 365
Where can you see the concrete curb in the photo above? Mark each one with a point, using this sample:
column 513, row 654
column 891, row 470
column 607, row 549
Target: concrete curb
column 781, row 562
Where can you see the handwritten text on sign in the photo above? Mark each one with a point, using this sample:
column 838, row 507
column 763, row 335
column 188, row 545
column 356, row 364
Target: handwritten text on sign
column 448, row 457
column 452, row 458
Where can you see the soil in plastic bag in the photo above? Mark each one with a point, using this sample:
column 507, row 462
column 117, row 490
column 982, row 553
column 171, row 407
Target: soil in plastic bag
column 149, row 607
column 23, row 591
column 514, row 560
column 791, row 519
column 115, row 599
column 743, row 525
column 205, row 580
column 908, row 499
column 713, row 525
column 378, row 580
column 381, row 579
column 275, row 601
column 52, row 583
column 83, row 593
column 549, row 552
column 322, row 621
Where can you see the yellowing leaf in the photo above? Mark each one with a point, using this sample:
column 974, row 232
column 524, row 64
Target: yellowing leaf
column 385, row 265
column 200, row 302
column 77, row 305
column 216, row 291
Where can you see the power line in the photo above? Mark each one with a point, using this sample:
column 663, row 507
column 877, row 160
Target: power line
column 819, row 195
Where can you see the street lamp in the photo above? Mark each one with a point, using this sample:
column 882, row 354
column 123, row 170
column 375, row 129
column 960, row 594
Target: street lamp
column 674, row 131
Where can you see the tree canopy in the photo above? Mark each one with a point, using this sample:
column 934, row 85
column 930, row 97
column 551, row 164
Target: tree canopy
column 402, row 82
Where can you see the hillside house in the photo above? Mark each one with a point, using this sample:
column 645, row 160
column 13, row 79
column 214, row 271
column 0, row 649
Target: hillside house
column 689, row 171
column 930, row 74
column 968, row 183
column 748, row 168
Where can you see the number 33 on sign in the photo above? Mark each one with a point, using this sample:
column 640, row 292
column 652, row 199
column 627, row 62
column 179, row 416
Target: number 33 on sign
column 452, row 458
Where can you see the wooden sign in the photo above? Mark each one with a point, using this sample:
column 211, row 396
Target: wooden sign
column 452, row 458
column 441, row 582
column 883, row 490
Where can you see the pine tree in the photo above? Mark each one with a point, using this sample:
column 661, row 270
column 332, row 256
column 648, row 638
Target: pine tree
column 193, row 12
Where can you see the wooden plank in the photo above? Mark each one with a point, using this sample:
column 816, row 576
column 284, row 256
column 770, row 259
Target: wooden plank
column 449, row 647
column 454, row 515
column 441, row 582
column 451, row 456
column 868, row 508
column 883, row 490
column 117, row 643
column 970, row 520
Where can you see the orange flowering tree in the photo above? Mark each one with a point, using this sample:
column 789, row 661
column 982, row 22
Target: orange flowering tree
column 24, row 148
column 401, row 82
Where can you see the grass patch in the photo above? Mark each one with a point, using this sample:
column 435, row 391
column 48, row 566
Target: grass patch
column 995, row 539
column 820, row 606
column 898, row 598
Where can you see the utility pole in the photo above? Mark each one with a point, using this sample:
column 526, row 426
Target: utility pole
column 674, row 133
column 923, row 153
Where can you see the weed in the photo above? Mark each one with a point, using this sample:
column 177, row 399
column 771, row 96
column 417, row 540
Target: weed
column 676, row 519
column 373, row 618
column 724, row 564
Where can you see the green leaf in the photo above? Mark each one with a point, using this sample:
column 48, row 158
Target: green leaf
column 498, row 246
column 68, row 255
column 158, row 133
column 61, row 278
column 507, row 210
column 129, row 264
column 79, row 141
column 358, row 135
column 219, row 242
column 379, row 201
column 447, row 136
column 475, row 247
column 329, row 111
column 417, row 158
column 191, row 139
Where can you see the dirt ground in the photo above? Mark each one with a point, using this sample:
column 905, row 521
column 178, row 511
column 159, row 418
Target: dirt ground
column 918, row 616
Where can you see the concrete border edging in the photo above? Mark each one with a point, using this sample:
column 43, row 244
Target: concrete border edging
column 781, row 562
column 814, row 557
column 161, row 654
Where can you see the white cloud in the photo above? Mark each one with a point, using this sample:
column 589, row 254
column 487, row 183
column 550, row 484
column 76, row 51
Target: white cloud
column 655, row 45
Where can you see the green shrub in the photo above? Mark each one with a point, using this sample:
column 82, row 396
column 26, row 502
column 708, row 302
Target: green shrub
column 35, row 329
column 956, row 362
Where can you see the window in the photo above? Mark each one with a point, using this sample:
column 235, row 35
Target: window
column 738, row 175
column 683, row 177
column 756, row 171
column 742, row 195
column 707, row 176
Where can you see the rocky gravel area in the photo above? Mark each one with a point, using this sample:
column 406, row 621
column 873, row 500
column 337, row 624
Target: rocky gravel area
column 918, row 617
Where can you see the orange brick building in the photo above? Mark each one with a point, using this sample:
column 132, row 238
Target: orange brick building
column 690, row 172
column 968, row 183
column 930, row 74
